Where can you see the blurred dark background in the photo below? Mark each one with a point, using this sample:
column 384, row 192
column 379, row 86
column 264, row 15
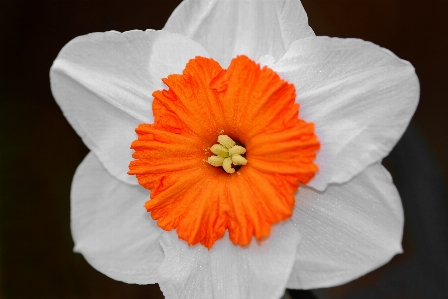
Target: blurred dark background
column 39, row 151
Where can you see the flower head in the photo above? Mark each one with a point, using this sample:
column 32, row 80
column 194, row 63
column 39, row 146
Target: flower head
column 175, row 155
column 344, row 220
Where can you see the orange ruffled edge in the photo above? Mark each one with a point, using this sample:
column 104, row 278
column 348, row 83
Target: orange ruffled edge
column 253, row 106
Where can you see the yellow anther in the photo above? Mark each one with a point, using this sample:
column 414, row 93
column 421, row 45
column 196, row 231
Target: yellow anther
column 239, row 160
column 220, row 150
column 227, row 153
column 215, row 160
column 237, row 150
column 227, row 165
column 226, row 141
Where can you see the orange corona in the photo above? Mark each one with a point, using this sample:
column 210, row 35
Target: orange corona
column 226, row 151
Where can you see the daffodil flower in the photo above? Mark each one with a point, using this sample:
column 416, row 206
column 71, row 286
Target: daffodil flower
column 260, row 144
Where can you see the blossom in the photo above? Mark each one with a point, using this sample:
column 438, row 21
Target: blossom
column 346, row 221
column 175, row 154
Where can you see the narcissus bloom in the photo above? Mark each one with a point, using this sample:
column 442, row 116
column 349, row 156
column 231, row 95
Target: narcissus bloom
column 259, row 142
column 188, row 161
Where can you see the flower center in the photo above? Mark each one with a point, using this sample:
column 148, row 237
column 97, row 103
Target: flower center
column 227, row 154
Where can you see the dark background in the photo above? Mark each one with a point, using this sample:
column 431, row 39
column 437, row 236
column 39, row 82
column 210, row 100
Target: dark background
column 39, row 151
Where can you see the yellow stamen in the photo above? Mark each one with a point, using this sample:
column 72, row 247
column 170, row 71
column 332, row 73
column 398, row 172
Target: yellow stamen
column 226, row 141
column 227, row 153
column 215, row 161
column 239, row 160
column 220, row 150
column 237, row 150
column 227, row 165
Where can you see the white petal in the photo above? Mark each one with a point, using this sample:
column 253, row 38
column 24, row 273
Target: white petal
column 103, row 83
column 110, row 226
column 227, row 28
column 259, row 271
column 347, row 231
column 266, row 60
column 360, row 97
